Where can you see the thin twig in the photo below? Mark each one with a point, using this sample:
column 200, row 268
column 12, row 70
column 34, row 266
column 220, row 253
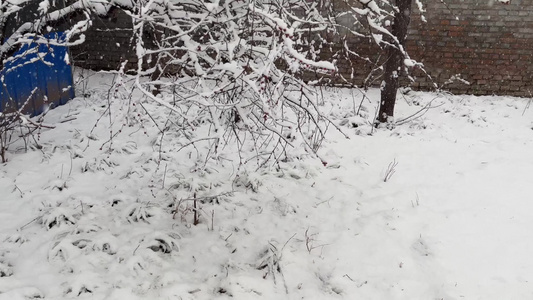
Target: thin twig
column 35, row 219
column 391, row 169
column 164, row 176
column 419, row 113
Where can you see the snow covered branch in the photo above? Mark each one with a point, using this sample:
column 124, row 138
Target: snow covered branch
column 237, row 64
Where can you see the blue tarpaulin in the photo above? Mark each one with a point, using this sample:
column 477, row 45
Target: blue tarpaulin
column 41, row 78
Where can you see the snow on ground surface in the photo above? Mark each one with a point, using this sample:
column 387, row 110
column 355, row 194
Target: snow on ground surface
column 453, row 220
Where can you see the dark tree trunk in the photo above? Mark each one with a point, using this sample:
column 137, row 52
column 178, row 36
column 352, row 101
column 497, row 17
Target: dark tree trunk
column 394, row 63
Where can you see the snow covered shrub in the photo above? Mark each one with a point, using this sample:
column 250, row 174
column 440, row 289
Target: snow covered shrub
column 140, row 212
column 85, row 283
column 57, row 184
column 120, row 199
column 99, row 164
column 63, row 249
column 101, row 242
column 152, row 252
column 5, row 269
column 162, row 242
column 249, row 180
column 16, row 238
column 86, row 228
column 16, row 126
column 269, row 261
column 231, row 66
column 58, row 217
column 234, row 67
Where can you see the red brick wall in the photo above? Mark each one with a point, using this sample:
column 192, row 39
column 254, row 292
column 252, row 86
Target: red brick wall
column 489, row 44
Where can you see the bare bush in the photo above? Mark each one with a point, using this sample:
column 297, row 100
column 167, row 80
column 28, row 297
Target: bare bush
column 235, row 65
column 16, row 126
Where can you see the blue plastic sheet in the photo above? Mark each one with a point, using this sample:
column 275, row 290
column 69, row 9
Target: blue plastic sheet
column 40, row 79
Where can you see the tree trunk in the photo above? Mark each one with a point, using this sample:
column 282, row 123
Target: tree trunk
column 394, row 63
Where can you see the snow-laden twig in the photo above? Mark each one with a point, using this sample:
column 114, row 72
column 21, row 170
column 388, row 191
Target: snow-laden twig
column 419, row 113
column 390, row 171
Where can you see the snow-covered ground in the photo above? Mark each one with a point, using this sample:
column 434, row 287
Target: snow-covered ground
column 453, row 219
